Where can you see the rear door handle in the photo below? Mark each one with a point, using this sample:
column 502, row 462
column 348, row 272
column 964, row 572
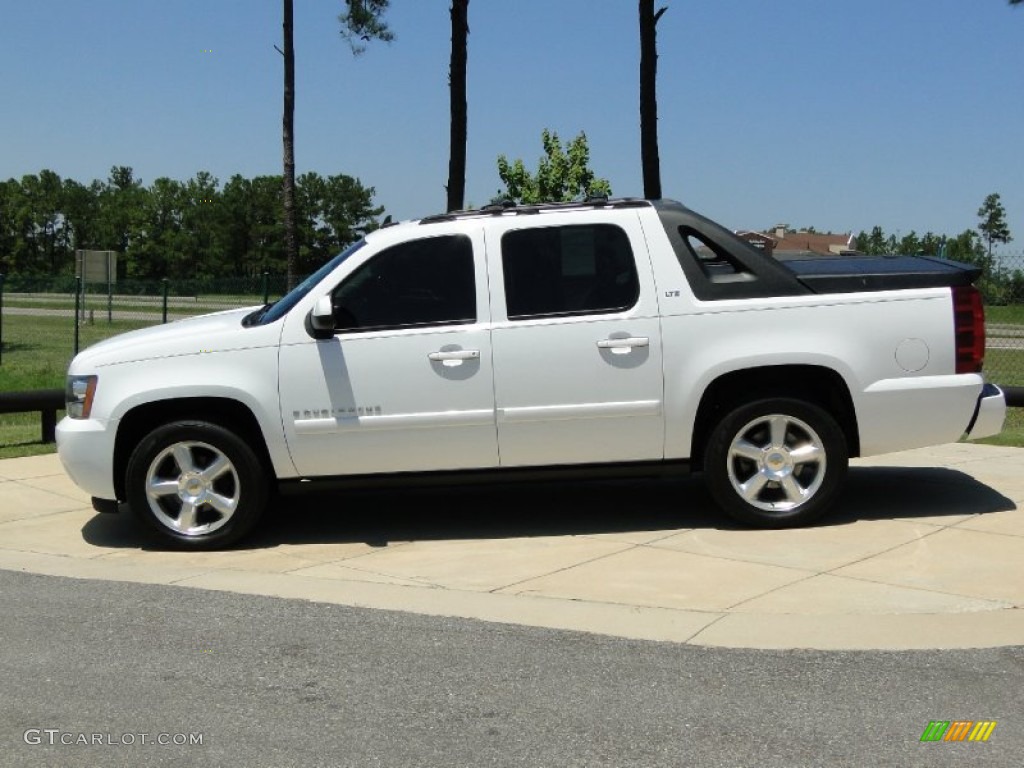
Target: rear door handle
column 623, row 346
column 455, row 356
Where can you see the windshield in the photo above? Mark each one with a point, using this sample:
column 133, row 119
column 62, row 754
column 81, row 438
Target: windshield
column 280, row 308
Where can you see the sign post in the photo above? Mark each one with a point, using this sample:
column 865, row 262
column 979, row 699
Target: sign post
column 97, row 267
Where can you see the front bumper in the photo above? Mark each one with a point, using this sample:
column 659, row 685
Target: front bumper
column 86, row 449
column 989, row 414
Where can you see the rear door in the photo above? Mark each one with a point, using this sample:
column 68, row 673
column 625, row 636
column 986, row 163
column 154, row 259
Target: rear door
column 576, row 341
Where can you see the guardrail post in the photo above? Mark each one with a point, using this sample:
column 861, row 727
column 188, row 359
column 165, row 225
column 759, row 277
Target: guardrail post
column 2, row 277
column 48, row 425
column 165, row 299
column 78, row 303
column 266, row 287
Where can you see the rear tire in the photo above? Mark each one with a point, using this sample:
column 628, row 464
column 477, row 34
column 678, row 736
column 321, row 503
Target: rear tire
column 776, row 463
column 197, row 485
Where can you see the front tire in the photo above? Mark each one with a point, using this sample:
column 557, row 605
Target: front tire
column 776, row 463
column 197, row 485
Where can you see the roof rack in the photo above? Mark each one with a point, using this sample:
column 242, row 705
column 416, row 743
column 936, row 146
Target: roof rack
column 509, row 207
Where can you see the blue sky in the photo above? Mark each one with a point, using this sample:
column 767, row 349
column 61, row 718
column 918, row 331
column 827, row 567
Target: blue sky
column 837, row 115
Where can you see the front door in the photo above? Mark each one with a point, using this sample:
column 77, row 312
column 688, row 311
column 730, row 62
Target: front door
column 406, row 382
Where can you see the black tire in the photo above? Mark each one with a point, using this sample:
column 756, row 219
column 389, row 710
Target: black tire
column 759, row 482
column 219, row 497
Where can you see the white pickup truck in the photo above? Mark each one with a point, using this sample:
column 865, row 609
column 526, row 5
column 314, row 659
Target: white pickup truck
column 611, row 336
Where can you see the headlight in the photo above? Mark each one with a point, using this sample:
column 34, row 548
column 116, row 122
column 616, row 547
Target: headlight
column 78, row 394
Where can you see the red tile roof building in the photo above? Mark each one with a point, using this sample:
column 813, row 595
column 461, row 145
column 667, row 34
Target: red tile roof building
column 782, row 239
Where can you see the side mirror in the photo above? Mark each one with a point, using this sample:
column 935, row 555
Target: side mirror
column 320, row 320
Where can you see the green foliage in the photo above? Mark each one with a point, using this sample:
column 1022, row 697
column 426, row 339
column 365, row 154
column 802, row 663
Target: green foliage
column 967, row 247
column 562, row 174
column 995, row 283
column 176, row 229
column 873, row 244
column 999, row 285
column 363, row 21
column 1012, row 314
column 993, row 225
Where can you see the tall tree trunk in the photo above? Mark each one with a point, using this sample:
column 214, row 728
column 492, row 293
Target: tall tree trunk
column 291, row 246
column 457, row 89
column 649, row 159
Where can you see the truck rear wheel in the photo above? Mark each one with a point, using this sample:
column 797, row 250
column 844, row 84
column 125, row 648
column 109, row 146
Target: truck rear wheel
column 776, row 463
column 197, row 484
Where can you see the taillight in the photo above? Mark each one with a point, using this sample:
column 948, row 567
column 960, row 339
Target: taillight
column 969, row 329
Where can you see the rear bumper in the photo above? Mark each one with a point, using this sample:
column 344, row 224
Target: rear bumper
column 917, row 411
column 989, row 414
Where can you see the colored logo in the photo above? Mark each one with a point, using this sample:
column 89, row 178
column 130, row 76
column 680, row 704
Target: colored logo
column 958, row 730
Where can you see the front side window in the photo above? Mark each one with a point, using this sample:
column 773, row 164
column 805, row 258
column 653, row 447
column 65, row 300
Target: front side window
column 423, row 282
column 279, row 309
column 572, row 270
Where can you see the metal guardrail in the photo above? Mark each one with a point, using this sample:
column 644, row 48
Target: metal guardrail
column 1014, row 396
column 46, row 401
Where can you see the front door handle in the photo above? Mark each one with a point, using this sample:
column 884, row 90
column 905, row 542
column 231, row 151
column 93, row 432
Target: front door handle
column 623, row 346
column 455, row 356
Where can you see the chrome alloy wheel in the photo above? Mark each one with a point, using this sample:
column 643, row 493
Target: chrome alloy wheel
column 776, row 463
column 192, row 488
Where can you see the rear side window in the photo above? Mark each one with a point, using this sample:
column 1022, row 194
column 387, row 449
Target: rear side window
column 573, row 270
column 423, row 282
column 717, row 264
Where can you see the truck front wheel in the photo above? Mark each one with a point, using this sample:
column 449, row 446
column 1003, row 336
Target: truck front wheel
column 198, row 485
column 776, row 463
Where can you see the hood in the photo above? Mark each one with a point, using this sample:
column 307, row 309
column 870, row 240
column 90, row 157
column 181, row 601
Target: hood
column 217, row 332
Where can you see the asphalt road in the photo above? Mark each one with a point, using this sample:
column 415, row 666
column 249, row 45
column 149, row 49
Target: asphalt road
column 289, row 683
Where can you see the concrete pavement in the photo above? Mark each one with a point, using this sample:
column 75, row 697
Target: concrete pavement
column 925, row 550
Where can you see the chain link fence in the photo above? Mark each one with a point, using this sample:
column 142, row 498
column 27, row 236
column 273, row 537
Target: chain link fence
column 1003, row 289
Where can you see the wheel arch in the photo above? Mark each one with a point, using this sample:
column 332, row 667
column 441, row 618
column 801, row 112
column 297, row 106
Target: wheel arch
column 816, row 384
column 143, row 419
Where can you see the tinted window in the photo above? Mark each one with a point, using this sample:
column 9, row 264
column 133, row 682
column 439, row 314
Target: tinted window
column 568, row 271
column 280, row 308
column 424, row 282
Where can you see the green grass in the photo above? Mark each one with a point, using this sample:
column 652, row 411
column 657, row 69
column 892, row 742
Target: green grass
column 19, row 438
column 36, row 353
column 1013, row 430
column 1005, row 367
column 37, row 350
column 1012, row 314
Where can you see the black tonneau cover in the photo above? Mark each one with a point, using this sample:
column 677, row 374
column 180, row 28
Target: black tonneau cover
column 847, row 274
